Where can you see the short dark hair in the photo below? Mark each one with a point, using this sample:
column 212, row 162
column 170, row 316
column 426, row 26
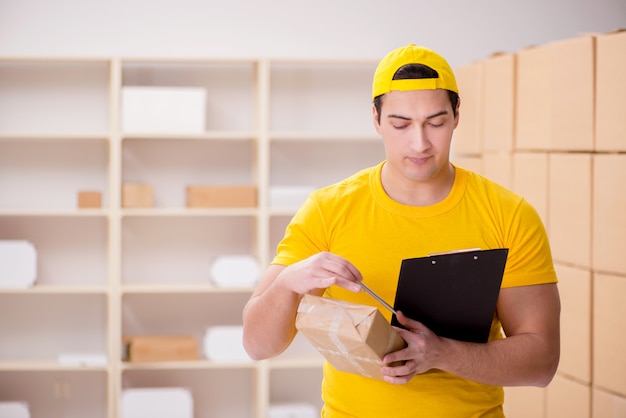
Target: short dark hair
column 412, row 72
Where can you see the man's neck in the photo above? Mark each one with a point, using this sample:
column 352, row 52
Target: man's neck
column 418, row 193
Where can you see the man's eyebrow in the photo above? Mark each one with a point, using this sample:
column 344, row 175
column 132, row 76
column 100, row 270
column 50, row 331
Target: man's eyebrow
column 434, row 115
column 398, row 117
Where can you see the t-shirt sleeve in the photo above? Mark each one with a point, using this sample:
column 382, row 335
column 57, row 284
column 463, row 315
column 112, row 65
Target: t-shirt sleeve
column 304, row 236
column 530, row 259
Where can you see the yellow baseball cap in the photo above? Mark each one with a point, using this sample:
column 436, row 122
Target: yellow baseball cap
column 412, row 54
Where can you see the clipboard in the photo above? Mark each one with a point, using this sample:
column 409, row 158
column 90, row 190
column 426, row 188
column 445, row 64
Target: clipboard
column 453, row 294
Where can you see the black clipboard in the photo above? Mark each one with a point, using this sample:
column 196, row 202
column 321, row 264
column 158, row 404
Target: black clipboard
column 453, row 294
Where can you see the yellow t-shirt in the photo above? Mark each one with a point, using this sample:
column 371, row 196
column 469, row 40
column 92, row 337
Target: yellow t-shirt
column 358, row 221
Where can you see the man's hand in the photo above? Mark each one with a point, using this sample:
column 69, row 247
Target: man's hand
column 316, row 273
column 420, row 355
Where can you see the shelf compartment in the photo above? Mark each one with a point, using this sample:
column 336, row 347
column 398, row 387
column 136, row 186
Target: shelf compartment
column 296, row 386
column 40, row 327
column 180, row 314
column 320, row 163
column 49, row 173
column 229, row 85
column 216, row 393
column 169, row 166
column 180, row 250
column 51, row 96
column 71, row 251
column 70, row 394
column 321, row 97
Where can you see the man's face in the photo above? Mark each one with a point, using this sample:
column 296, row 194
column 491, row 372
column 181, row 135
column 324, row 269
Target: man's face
column 416, row 127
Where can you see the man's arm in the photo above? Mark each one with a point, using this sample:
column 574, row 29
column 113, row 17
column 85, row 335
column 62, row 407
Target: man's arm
column 269, row 316
column 529, row 356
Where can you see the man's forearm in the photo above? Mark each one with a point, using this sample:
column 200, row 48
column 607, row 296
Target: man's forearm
column 521, row 360
column 269, row 322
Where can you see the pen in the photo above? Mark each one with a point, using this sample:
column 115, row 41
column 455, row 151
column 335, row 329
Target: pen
column 378, row 298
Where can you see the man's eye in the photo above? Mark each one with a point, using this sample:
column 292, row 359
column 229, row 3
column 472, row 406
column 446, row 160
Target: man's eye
column 435, row 125
column 400, row 126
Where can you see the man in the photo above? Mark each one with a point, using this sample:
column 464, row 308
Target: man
column 413, row 204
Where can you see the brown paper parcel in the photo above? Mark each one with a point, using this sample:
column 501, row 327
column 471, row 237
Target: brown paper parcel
column 353, row 338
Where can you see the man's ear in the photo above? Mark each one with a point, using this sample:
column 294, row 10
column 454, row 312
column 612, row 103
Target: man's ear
column 375, row 119
column 457, row 114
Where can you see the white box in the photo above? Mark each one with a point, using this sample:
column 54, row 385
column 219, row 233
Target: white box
column 14, row 410
column 80, row 359
column 291, row 197
column 224, row 344
column 157, row 403
column 179, row 110
column 18, row 264
column 235, row 271
column 293, row 410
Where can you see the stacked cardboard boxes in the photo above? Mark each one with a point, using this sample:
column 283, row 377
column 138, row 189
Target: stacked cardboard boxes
column 552, row 127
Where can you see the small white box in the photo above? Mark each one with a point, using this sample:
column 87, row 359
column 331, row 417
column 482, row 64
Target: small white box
column 14, row 410
column 291, row 197
column 224, row 344
column 18, row 264
column 293, row 410
column 178, row 110
column 157, row 403
column 235, row 271
column 77, row 359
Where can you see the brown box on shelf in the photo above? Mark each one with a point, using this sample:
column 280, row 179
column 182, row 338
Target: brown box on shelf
column 89, row 199
column 136, row 195
column 149, row 348
column 227, row 196
column 353, row 338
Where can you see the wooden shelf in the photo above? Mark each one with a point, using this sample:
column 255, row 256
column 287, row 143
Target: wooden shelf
column 106, row 272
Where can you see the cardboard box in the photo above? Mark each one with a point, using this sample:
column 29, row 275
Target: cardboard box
column 572, row 93
column 180, row 110
column 569, row 208
column 224, row 343
column 18, row 409
column 610, row 92
column 499, row 98
column 524, row 401
column 135, row 195
column 353, row 338
column 609, row 340
column 467, row 139
column 532, row 99
column 161, row 402
column 89, row 199
column 530, row 180
column 149, row 348
column 472, row 163
column 18, row 264
column 575, row 292
column 567, row 398
column 609, row 213
column 605, row 404
column 497, row 166
column 221, row 196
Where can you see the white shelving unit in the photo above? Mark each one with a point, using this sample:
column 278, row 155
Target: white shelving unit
column 104, row 273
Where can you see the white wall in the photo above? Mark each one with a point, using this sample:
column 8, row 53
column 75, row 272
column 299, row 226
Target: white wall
column 462, row 30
